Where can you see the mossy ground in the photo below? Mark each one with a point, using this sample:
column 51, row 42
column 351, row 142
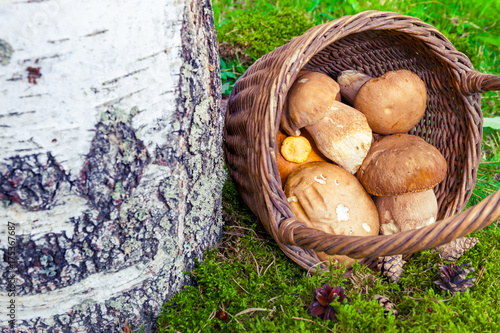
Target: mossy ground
column 248, row 277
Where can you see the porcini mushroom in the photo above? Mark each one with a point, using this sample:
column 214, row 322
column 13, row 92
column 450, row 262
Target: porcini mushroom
column 401, row 170
column 401, row 163
column 286, row 167
column 392, row 103
column 324, row 196
column 340, row 132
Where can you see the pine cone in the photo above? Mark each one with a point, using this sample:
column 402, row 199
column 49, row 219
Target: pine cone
column 389, row 307
column 392, row 267
column 453, row 277
column 323, row 298
column 456, row 248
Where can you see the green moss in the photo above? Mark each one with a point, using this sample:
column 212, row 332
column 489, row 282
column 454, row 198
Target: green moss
column 262, row 32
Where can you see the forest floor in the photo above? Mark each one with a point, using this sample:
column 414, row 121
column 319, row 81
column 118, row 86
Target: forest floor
column 246, row 283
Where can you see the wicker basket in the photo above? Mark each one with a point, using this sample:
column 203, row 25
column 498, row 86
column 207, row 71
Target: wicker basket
column 372, row 42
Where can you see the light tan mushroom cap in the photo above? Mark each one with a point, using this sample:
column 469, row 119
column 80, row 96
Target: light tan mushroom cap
column 406, row 212
column 328, row 198
column 392, row 103
column 309, row 98
column 401, row 163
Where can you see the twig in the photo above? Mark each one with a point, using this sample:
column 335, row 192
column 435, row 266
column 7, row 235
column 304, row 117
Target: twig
column 481, row 272
column 256, row 264
column 265, row 25
column 234, row 317
column 249, row 310
column 240, row 286
column 212, row 316
column 272, row 262
column 273, row 298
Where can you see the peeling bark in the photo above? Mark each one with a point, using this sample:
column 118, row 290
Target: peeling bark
column 111, row 166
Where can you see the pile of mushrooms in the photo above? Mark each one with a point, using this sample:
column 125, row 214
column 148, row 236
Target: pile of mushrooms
column 346, row 163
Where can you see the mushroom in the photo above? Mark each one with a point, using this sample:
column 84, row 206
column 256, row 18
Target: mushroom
column 340, row 132
column 392, row 103
column 401, row 170
column 350, row 82
column 326, row 197
column 406, row 211
column 295, row 149
column 285, row 167
column 401, row 163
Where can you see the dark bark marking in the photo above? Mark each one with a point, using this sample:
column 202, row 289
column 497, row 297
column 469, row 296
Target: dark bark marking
column 113, row 166
column 26, row 181
column 152, row 55
column 118, row 99
column 40, row 266
column 95, row 33
column 124, row 76
column 58, row 41
column 12, row 114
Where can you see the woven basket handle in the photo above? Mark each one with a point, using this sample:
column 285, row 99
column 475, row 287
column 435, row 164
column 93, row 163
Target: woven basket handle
column 481, row 215
column 477, row 82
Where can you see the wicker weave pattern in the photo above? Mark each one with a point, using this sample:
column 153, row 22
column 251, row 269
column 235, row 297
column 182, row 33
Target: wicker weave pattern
column 374, row 42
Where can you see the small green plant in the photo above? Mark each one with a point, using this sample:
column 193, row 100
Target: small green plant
column 230, row 71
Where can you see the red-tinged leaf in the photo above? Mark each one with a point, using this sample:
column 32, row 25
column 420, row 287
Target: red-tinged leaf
column 322, row 300
column 333, row 295
column 318, row 311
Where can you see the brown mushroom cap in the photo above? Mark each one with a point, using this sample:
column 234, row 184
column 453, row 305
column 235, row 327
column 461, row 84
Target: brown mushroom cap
column 392, row 103
column 308, row 100
column 401, row 163
column 326, row 197
column 406, row 212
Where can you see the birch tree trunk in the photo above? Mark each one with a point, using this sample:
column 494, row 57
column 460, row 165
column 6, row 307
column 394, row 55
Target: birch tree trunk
column 110, row 159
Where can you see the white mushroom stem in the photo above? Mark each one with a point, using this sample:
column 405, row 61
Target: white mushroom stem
column 342, row 135
column 350, row 82
column 406, row 212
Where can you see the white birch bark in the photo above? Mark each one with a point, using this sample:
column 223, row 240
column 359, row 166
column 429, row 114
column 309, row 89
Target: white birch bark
column 110, row 158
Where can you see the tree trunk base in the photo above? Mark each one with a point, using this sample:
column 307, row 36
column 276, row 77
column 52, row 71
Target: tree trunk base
column 105, row 240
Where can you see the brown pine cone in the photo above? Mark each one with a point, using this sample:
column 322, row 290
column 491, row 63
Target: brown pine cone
column 389, row 307
column 456, row 248
column 392, row 267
